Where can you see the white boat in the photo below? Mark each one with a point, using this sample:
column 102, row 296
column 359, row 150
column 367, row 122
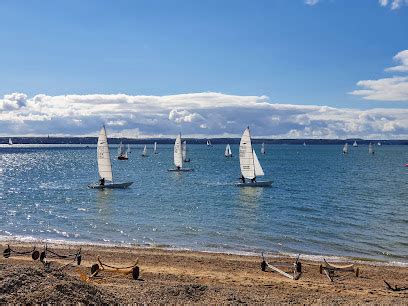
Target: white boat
column 10, row 142
column 178, row 156
column 263, row 148
column 105, row 165
column 122, row 154
column 304, row 144
column 155, row 148
column 379, row 143
column 144, row 153
column 370, row 149
column 355, row 144
column 345, row 148
column 249, row 164
column 208, row 142
column 184, row 150
column 228, row 152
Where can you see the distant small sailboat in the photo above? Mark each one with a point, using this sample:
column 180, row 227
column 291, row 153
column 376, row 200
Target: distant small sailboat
column 379, row 143
column 144, row 153
column 105, row 165
column 345, row 148
column 249, row 163
column 263, row 148
column 228, row 152
column 178, row 156
column 128, row 148
column 155, row 148
column 10, row 142
column 304, row 144
column 370, row 149
column 209, row 143
column 185, row 159
column 355, row 144
column 122, row 154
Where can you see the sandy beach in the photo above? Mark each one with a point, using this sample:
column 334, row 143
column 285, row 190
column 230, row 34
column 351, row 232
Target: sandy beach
column 169, row 276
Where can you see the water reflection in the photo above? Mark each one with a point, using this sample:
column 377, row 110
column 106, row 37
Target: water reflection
column 250, row 195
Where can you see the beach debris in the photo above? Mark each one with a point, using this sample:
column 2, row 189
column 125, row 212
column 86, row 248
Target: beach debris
column 9, row 251
column 297, row 267
column 330, row 269
column 75, row 257
column 396, row 288
column 100, row 266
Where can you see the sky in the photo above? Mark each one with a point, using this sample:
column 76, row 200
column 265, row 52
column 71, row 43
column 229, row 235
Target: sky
column 286, row 68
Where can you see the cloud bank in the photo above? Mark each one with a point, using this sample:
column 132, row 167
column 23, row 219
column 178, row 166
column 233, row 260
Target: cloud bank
column 194, row 114
column 393, row 4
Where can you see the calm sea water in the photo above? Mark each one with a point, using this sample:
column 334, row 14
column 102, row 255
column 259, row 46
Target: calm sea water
column 321, row 202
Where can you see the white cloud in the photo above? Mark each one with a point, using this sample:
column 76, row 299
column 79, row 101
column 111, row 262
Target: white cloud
column 311, row 2
column 402, row 58
column 194, row 114
column 395, row 4
column 383, row 2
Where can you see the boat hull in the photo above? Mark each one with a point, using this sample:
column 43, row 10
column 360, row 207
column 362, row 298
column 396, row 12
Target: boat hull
column 180, row 170
column 255, row 184
column 111, row 186
column 123, row 158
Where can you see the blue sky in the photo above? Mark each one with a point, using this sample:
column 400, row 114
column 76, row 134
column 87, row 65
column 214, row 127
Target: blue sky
column 287, row 50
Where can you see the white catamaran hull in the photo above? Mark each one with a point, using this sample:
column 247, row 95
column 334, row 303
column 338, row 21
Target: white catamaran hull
column 180, row 170
column 111, row 186
column 255, row 184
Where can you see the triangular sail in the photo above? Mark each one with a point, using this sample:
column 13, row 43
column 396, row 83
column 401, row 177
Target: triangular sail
column 178, row 155
column 145, row 151
column 184, row 150
column 258, row 168
column 345, row 148
column 229, row 150
column 128, row 148
column 246, row 156
column 104, row 161
column 155, row 148
column 10, row 142
column 370, row 149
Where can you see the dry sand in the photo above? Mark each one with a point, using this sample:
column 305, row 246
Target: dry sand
column 188, row 277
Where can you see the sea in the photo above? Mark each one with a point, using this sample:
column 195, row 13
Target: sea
column 321, row 203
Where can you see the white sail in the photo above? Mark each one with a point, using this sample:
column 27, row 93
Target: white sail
column 228, row 152
column 246, row 156
column 184, row 150
column 10, row 142
column 258, row 168
column 379, row 144
column 121, row 149
column 178, row 155
column 104, row 161
column 370, row 149
column 355, row 144
column 345, row 148
column 128, row 148
column 144, row 151
column 263, row 148
column 208, row 143
column 304, row 144
column 155, row 148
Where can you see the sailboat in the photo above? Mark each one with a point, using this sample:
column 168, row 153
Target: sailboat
column 345, row 148
column 263, row 148
column 249, row 163
column 370, row 149
column 228, row 152
column 122, row 154
column 209, row 143
column 355, row 144
column 155, row 148
column 105, row 165
column 304, row 144
column 10, row 142
column 144, row 154
column 128, row 148
column 379, row 143
column 178, row 156
column 184, row 148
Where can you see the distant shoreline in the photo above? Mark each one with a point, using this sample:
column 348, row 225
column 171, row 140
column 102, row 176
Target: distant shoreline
column 93, row 141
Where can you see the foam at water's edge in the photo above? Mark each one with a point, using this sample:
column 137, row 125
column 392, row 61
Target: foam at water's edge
column 315, row 258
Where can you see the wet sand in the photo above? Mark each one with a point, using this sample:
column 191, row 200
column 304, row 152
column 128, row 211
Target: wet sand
column 169, row 276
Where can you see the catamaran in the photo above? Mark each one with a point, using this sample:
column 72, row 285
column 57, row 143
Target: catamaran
column 209, row 143
column 105, row 165
column 155, row 148
column 370, row 149
column 144, row 154
column 10, row 142
column 249, row 164
column 122, row 154
column 355, row 144
column 345, row 148
column 185, row 159
column 228, row 152
column 263, row 148
column 178, row 156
